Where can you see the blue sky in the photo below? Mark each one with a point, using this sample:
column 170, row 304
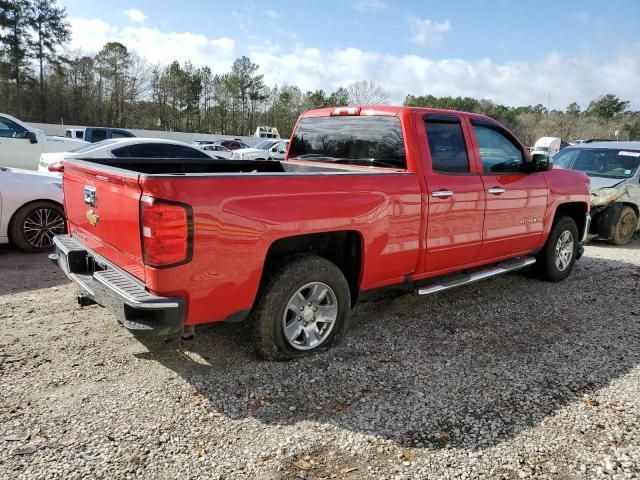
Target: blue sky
column 509, row 51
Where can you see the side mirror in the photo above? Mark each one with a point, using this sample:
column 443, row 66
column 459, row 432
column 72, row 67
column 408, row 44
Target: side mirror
column 31, row 136
column 541, row 162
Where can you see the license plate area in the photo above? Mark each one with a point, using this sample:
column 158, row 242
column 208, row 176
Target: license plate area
column 81, row 263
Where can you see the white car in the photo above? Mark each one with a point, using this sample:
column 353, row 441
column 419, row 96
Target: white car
column 217, row 150
column 31, row 210
column 265, row 150
column 123, row 148
column 21, row 145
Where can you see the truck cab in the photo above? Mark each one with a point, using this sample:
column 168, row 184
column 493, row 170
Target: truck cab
column 97, row 134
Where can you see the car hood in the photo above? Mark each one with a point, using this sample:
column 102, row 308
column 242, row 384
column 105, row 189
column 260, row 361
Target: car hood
column 53, row 157
column 596, row 183
column 249, row 150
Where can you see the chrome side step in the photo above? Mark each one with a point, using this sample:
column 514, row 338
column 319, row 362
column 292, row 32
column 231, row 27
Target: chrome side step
column 459, row 280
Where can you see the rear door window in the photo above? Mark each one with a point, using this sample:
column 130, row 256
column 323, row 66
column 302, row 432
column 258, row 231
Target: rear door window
column 375, row 141
column 180, row 151
column 98, row 135
column 142, row 150
column 447, row 147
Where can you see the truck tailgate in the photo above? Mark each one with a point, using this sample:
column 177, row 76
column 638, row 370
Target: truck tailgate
column 103, row 211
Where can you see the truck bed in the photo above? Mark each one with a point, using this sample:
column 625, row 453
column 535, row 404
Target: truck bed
column 236, row 211
column 158, row 166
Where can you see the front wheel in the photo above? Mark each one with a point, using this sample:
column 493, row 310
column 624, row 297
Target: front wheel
column 302, row 309
column 33, row 226
column 626, row 226
column 558, row 256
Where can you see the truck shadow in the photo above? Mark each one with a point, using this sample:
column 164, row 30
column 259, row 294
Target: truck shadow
column 22, row 272
column 468, row 368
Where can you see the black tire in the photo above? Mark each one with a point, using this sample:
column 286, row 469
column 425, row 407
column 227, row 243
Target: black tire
column 546, row 265
column 626, row 226
column 270, row 315
column 48, row 215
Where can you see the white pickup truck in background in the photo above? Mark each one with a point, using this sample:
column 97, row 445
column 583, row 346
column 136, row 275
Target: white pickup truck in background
column 21, row 145
column 265, row 150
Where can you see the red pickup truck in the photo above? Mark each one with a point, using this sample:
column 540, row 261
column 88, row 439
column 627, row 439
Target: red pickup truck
column 368, row 197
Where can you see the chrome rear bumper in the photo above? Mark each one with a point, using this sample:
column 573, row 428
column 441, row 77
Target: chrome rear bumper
column 118, row 291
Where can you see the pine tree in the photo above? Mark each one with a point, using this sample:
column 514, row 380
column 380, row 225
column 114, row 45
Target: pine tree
column 50, row 30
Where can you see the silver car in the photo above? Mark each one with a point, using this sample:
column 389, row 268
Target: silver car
column 613, row 168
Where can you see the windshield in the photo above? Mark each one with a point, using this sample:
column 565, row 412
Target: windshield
column 541, row 149
column 599, row 162
column 93, row 146
column 356, row 140
column 265, row 145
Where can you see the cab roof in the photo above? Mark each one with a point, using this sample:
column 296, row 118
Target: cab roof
column 388, row 110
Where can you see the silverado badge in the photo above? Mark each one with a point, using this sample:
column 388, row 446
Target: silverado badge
column 92, row 217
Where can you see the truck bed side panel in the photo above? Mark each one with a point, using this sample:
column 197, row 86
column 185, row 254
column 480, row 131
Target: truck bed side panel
column 236, row 219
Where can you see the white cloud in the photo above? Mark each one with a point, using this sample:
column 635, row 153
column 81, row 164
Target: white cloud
column 134, row 15
column 568, row 79
column 272, row 14
column 369, row 5
column 511, row 83
column 426, row 32
column 155, row 45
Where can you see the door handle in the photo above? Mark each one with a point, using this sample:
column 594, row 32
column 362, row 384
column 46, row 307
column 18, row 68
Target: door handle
column 442, row 193
column 496, row 190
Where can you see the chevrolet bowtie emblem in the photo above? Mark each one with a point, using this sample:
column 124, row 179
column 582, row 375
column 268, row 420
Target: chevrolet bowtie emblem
column 92, row 217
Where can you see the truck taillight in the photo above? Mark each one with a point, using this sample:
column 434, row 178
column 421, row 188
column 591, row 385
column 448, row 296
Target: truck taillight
column 167, row 232
column 56, row 167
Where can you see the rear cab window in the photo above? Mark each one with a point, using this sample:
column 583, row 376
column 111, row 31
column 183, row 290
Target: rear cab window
column 375, row 141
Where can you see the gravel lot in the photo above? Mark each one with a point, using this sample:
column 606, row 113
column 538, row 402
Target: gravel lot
column 511, row 378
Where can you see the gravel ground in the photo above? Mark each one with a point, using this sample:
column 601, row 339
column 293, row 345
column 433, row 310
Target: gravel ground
column 511, row 378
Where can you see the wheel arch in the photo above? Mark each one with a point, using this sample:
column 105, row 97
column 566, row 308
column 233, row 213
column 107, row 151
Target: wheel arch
column 344, row 248
column 634, row 207
column 575, row 210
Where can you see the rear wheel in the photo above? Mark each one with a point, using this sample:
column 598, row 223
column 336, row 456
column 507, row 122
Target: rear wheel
column 626, row 226
column 558, row 256
column 33, row 226
column 303, row 308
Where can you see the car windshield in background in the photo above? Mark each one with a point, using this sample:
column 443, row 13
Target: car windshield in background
column 94, row 146
column 599, row 162
column 265, row 145
column 356, row 140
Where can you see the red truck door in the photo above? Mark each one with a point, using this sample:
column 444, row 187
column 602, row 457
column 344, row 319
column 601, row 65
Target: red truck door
column 455, row 193
column 515, row 199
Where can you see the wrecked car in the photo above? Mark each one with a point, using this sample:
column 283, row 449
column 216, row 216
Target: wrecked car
column 614, row 176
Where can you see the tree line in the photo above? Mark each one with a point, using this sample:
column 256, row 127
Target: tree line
column 40, row 81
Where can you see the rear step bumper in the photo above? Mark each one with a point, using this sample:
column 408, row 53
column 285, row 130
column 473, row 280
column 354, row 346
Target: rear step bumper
column 139, row 311
column 465, row 279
